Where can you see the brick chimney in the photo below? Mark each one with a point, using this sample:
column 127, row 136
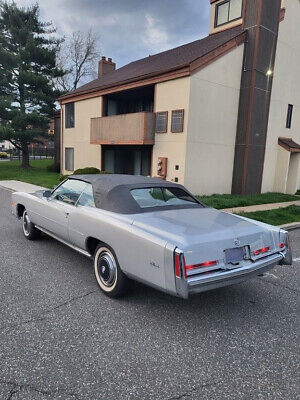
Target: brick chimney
column 260, row 21
column 105, row 66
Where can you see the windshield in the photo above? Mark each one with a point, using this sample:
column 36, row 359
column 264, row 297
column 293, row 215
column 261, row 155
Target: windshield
column 161, row 196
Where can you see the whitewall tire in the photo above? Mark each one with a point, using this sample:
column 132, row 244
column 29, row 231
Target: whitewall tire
column 110, row 278
column 29, row 230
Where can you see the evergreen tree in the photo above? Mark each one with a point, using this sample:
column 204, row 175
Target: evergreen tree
column 27, row 70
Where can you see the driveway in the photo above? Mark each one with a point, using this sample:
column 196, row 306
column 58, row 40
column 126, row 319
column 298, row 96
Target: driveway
column 61, row 339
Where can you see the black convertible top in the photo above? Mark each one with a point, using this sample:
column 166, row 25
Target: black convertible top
column 112, row 192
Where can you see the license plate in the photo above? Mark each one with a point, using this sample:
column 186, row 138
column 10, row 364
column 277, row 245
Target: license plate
column 234, row 255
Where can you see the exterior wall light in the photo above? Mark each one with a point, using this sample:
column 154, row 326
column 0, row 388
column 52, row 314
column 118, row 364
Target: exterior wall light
column 269, row 72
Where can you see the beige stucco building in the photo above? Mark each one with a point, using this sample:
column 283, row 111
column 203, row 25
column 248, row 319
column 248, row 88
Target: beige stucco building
column 219, row 115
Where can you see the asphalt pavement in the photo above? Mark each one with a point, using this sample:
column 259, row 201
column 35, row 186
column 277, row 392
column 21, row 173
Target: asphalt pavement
column 62, row 339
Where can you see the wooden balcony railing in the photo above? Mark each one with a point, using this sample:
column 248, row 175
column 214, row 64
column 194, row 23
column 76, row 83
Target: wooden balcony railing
column 134, row 128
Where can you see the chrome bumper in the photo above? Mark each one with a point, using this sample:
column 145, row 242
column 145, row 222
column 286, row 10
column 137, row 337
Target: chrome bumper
column 198, row 284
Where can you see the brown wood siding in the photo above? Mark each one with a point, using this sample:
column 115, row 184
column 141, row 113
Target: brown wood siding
column 134, row 128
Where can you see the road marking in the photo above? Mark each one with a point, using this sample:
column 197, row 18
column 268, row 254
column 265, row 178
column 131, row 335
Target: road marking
column 269, row 274
column 296, row 259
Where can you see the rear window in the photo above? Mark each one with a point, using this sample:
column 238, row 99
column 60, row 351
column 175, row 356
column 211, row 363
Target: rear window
column 161, row 196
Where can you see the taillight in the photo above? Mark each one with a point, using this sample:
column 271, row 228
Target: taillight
column 179, row 264
column 284, row 240
column 261, row 251
column 202, row 265
column 181, row 269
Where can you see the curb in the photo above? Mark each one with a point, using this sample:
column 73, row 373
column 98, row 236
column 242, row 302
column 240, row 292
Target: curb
column 6, row 188
column 290, row 227
column 261, row 207
column 19, row 186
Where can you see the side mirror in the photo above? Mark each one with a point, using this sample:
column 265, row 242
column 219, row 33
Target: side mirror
column 47, row 194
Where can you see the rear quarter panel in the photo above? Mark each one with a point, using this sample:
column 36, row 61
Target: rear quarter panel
column 141, row 254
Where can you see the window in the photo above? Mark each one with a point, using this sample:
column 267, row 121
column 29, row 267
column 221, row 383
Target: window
column 161, row 196
column 161, row 122
column 69, row 191
column 87, row 197
column 70, row 117
column 289, row 116
column 177, row 121
column 228, row 10
column 69, row 159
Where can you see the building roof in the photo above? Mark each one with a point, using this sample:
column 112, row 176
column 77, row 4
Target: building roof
column 160, row 63
column 289, row 144
column 112, row 192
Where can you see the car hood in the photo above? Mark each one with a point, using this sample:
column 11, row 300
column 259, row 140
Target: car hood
column 204, row 233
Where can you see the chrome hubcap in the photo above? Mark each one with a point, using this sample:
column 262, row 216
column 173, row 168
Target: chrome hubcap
column 26, row 222
column 106, row 268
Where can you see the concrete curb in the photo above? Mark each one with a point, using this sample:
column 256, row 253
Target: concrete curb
column 6, row 188
column 290, row 227
column 19, row 186
column 262, row 207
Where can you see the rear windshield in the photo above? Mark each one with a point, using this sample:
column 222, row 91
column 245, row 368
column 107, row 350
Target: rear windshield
column 161, row 196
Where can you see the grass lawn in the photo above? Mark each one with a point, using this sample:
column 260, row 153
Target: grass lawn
column 276, row 217
column 234, row 200
column 37, row 174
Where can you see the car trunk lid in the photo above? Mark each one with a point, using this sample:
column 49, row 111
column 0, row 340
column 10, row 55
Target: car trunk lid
column 204, row 234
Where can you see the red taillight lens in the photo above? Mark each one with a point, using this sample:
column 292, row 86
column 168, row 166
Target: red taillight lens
column 177, row 265
column 261, row 251
column 181, row 268
column 265, row 249
column 202, row 265
column 282, row 245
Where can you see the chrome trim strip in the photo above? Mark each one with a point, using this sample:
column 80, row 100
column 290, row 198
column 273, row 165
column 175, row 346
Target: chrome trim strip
column 81, row 251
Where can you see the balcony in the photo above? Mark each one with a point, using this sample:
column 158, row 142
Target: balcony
column 133, row 128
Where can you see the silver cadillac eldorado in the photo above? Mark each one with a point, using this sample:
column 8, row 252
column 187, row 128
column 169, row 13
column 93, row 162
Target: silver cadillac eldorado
column 152, row 231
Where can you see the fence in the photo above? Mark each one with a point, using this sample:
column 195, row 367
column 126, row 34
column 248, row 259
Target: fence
column 35, row 153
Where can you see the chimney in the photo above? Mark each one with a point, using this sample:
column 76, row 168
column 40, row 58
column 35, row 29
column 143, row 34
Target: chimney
column 261, row 22
column 105, row 66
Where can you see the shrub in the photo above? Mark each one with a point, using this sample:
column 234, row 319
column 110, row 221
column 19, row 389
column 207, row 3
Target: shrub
column 53, row 168
column 87, row 170
column 84, row 171
column 3, row 154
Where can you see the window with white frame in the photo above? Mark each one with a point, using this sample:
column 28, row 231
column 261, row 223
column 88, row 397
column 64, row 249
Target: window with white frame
column 69, row 159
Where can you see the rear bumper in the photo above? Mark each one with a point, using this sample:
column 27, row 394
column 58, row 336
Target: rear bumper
column 202, row 283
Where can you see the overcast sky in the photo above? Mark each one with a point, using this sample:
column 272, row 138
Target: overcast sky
column 130, row 29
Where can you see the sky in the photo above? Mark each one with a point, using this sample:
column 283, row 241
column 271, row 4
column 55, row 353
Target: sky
column 129, row 29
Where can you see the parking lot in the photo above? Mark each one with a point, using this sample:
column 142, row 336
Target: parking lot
column 62, row 339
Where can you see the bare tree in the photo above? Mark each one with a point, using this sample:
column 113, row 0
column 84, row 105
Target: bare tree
column 78, row 55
